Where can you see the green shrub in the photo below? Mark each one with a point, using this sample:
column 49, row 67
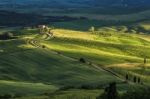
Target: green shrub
column 6, row 36
column 142, row 93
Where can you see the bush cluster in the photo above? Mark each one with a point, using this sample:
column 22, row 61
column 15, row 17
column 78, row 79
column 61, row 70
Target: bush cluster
column 6, row 36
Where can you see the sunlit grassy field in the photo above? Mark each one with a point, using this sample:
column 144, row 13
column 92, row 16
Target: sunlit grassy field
column 108, row 47
column 36, row 71
column 22, row 65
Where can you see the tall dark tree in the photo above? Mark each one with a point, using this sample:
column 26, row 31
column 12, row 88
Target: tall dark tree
column 139, row 80
column 134, row 79
column 112, row 91
column 127, row 77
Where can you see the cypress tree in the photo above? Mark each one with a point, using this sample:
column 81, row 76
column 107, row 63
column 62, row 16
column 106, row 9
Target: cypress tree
column 127, row 77
column 112, row 91
column 134, row 79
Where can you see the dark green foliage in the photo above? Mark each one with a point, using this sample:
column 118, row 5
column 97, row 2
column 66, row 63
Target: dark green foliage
column 139, row 80
column 134, row 79
column 8, row 18
column 142, row 93
column 6, row 36
column 43, row 46
column 87, row 87
column 82, row 60
column 6, row 96
column 17, row 95
column 110, row 92
column 127, row 77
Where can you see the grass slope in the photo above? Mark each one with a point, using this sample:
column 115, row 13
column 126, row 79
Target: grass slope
column 44, row 66
column 109, row 46
column 115, row 47
column 21, row 63
column 24, row 88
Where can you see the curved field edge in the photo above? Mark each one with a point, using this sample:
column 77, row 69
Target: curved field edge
column 25, row 88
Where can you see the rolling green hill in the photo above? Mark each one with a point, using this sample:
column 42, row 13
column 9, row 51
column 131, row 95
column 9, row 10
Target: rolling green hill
column 21, row 62
column 109, row 47
column 110, row 52
column 89, row 46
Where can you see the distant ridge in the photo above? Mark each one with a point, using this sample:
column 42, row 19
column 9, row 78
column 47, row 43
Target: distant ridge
column 78, row 3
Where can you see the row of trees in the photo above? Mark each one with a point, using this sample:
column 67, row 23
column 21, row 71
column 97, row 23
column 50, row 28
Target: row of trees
column 135, row 79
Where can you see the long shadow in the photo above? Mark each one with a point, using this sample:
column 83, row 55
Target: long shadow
column 11, row 46
column 12, row 19
column 85, row 24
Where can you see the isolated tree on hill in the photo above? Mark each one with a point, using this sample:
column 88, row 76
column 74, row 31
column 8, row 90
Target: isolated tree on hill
column 127, row 77
column 139, row 80
column 134, row 79
column 82, row 60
